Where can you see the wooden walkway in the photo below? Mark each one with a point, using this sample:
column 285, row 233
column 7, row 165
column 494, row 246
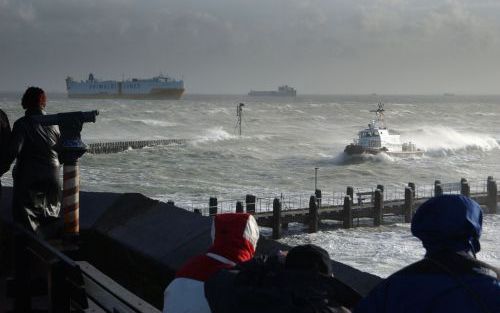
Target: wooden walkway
column 370, row 205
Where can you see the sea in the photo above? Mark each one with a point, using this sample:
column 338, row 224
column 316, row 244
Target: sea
column 289, row 147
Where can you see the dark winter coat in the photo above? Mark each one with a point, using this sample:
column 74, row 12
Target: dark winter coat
column 4, row 139
column 36, row 194
column 261, row 287
column 445, row 282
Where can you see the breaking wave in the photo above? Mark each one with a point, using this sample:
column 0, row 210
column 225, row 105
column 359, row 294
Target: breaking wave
column 214, row 134
column 435, row 139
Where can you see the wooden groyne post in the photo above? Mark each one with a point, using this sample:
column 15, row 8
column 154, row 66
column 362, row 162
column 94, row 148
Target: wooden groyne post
column 350, row 193
column 379, row 206
column 347, row 212
column 464, row 187
column 408, row 207
column 250, row 203
column 313, row 214
column 212, row 206
column 491, row 187
column 277, row 218
column 438, row 190
column 239, row 207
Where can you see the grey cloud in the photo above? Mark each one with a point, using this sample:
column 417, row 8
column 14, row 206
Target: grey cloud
column 230, row 46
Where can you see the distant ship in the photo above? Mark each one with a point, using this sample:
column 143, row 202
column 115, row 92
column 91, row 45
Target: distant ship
column 377, row 139
column 159, row 87
column 283, row 91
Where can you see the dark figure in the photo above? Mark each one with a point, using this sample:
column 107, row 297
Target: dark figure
column 4, row 139
column 449, row 278
column 304, row 283
column 37, row 188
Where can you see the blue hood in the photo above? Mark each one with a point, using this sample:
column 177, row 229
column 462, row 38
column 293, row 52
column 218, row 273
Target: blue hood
column 449, row 222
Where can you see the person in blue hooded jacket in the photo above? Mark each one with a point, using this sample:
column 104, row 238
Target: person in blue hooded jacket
column 449, row 278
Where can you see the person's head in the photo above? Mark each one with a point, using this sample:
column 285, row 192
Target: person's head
column 34, row 98
column 309, row 258
column 235, row 236
column 449, row 223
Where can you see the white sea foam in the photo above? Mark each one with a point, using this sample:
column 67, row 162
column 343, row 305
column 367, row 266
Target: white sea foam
column 438, row 138
column 214, row 134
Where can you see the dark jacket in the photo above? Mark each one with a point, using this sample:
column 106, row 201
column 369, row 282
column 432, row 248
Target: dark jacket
column 36, row 194
column 262, row 287
column 444, row 282
column 4, row 139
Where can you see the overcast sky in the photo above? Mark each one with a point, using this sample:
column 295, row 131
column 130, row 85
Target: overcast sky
column 232, row 46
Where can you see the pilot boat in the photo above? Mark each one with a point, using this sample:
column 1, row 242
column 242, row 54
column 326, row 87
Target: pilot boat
column 378, row 139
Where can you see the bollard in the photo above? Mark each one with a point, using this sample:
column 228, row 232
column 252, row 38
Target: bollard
column 413, row 188
column 347, row 212
column 212, row 206
column 438, row 190
column 378, row 209
column 408, row 208
column 313, row 215
column 492, row 195
column 239, row 207
column 250, row 203
column 71, row 199
column 276, row 219
column 350, row 193
column 465, row 188
column 317, row 192
column 437, row 183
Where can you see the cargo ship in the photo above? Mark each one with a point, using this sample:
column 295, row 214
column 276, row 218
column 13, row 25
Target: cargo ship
column 159, row 87
column 283, row 91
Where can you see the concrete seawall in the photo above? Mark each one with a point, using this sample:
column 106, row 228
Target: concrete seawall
column 141, row 242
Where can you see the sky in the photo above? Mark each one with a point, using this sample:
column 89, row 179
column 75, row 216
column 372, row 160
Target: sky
column 232, row 46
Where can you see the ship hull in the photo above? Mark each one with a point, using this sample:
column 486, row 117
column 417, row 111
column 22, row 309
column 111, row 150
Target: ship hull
column 360, row 150
column 155, row 94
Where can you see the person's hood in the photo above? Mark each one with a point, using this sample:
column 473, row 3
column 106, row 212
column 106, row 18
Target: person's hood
column 448, row 222
column 235, row 236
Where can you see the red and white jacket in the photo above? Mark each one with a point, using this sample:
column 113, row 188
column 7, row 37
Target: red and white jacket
column 235, row 237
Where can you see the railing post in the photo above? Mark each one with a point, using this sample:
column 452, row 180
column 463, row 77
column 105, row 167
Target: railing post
column 408, row 208
column 347, row 212
column 276, row 219
column 59, row 298
column 492, row 195
column 250, row 203
column 464, row 187
column 22, row 286
column 239, row 207
column 350, row 193
column 313, row 215
column 212, row 206
column 378, row 209
column 437, row 183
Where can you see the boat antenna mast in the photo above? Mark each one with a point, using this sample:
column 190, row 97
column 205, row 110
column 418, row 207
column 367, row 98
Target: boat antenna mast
column 379, row 113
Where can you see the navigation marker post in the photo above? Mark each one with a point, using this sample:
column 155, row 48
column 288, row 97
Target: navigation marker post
column 239, row 115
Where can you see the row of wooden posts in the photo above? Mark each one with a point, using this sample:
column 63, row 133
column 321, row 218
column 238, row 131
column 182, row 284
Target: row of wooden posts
column 311, row 215
column 120, row 146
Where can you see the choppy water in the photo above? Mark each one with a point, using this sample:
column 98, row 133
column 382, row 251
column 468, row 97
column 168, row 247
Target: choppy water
column 283, row 141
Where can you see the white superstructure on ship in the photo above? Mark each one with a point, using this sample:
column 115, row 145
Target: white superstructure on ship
column 377, row 139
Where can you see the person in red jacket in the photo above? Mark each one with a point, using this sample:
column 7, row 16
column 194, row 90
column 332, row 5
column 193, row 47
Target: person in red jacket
column 235, row 237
